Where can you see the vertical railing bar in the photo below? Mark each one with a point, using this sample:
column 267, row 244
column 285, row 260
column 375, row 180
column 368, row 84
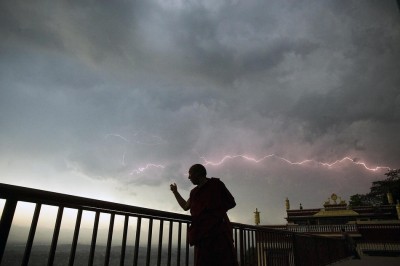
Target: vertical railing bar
column 236, row 243
column 249, row 248
column 275, row 239
column 293, row 251
column 282, row 245
column 5, row 224
column 287, row 246
column 138, row 228
column 268, row 245
column 178, row 255
column 274, row 245
column 296, row 258
column 258, row 244
column 170, row 243
column 263, row 248
column 75, row 238
column 56, row 233
column 94, row 238
column 150, row 235
column 290, row 248
column 253, row 247
column 244, row 246
column 187, row 246
column 247, row 245
column 241, row 246
column 109, row 240
column 124, row 237
column 259, row 248
column 160, row 238
column 31, row 236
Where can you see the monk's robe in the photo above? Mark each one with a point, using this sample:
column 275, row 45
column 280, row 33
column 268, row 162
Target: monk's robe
column 210, row 231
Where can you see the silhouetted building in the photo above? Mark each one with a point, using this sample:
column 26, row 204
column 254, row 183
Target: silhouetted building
column 376, row 229
column 336, row 211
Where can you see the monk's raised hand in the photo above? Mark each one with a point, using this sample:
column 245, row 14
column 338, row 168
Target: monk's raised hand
column 173, row 187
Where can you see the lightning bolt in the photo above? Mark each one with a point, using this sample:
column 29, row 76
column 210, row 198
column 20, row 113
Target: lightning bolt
column 326, row 164
column 142, row 169
column 144, row 138
column 117, row 136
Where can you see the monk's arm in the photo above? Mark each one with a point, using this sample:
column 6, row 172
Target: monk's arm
column 181, row 201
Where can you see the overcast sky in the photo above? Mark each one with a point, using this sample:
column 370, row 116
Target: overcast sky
column 115, row 100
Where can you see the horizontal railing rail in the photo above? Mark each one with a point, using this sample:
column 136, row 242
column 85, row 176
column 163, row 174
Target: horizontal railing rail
column 376, row 227
column 159, row 238
column 322, row 228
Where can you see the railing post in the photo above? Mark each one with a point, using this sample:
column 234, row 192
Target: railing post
column 187, row 246
column 94, row 238
column 296, row 257
column 178, row 255
column 109, row 240
column 31, row 235
column 170, row 243
column 56, row 233
column 5, row 224
column 75, row 237
column 149, row 237
column 137, row 243
column 124, row 237
column 253, row 247
column 241, row 240
column 160, row 238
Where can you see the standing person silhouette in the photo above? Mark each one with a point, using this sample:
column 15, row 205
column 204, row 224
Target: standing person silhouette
column 350, row 245
column 210, row 231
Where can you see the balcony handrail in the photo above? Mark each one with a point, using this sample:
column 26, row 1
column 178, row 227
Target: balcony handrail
column 69, row 201
column 254, row 245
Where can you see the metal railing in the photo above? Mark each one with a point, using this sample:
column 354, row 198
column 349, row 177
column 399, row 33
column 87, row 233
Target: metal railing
column 328, row 228
column 159, row 238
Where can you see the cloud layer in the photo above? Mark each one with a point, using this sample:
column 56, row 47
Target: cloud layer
column 137, row 91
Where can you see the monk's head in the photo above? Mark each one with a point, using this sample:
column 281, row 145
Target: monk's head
column 197, row 173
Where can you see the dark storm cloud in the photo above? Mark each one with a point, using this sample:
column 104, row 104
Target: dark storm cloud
column 103, row 88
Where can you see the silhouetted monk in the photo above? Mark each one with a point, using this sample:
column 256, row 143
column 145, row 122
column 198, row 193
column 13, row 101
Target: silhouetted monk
column 210, row 231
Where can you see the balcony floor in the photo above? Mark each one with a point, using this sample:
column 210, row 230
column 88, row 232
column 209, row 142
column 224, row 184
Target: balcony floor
column 370, row 261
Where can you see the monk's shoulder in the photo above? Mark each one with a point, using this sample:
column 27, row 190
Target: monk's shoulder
column 216, row 182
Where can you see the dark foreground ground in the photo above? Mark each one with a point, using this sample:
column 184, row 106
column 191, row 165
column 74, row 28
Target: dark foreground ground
column 370, row 261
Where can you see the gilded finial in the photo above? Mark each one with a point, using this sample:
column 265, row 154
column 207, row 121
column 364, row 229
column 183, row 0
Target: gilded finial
column 334, row 198
column 287, row 204
column 257, row 217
